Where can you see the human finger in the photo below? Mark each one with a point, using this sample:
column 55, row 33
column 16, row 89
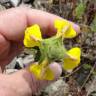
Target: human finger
column 14, row 21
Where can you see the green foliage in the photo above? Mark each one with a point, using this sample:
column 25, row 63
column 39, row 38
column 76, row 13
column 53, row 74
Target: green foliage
column 93, row 25
column 53, row 49
column 79, row 11
column 94, row 72
column 87, row 66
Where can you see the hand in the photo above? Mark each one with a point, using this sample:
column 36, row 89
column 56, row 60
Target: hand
column 13, row 22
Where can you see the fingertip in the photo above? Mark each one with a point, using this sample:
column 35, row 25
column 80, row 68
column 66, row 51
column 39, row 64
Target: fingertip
column 56, row 68
column 76, row 28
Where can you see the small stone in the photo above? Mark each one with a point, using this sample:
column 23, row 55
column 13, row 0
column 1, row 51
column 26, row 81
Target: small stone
column 4, row 1
column 20, row 62
column 23, row 62
column 55, row 86
column 90, row 35
column 2, row 8
column 12, row 64
column 28, row 59
column 87, row 41
column 15, row 2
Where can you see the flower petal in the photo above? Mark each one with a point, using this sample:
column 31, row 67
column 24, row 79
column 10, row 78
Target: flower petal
column 65, row 27
column 32, row 36
column 73, row 60
column 48, row 74
column 36, row 70
column 41, row 73
column 59, row 24
column 70, row 33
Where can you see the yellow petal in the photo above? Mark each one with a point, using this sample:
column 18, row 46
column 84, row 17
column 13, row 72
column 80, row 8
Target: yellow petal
column 70, row 33
column 71, row 63
column 41, row 73
column 32, row 36
column 48, row 74
column 36, row 70
column 59, row 24
column 65, row 27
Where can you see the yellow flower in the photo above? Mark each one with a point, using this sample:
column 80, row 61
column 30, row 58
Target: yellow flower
column 32, row 36
column 73, row 59
column 41, row 73
column 64, row 27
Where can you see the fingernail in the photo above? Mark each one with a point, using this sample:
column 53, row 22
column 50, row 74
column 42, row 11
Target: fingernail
column 77, row 28
column 56, row 68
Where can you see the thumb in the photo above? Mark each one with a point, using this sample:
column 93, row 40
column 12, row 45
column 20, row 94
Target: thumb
column 26, row 83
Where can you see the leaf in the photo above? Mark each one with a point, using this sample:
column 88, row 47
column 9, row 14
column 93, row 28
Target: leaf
column 87, row 66
column 80, row 9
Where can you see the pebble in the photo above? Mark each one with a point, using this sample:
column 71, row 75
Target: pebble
column 87, row 41
column 27, row 60
column 12, row 64
column 51, row 89
column 2, row 8
column 15, row 2
column 23, row 62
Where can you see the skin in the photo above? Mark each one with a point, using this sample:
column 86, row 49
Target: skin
column 13, row 22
